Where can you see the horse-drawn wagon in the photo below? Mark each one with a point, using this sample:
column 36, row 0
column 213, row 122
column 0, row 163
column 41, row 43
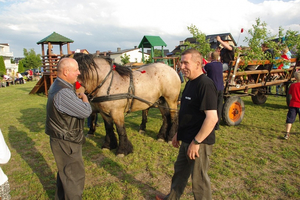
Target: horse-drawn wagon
column 237, row 84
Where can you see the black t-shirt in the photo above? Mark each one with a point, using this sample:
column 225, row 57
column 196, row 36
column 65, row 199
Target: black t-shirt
column 227, row 55
column 198, row 95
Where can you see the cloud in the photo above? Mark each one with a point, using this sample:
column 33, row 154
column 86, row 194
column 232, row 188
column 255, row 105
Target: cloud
column 109, row 24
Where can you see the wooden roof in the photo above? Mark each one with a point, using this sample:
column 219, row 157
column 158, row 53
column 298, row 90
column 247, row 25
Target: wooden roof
column 55, row 38
column 151, row 41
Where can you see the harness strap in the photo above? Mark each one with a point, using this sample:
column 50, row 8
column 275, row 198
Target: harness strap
column 90, row 95
column 130, row 91
column 113, row 97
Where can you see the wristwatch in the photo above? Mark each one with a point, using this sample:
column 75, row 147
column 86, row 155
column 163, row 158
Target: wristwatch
column 196, row 142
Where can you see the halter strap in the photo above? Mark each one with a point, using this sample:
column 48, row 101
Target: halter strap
column 91, row 96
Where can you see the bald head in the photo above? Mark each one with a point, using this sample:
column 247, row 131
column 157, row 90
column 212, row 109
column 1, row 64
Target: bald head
column 67, row 69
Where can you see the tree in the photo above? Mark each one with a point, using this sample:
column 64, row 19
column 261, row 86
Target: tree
column 261, row 35
column 31, row 60
column 125, row 59
column 292, row 40
column 21, row 66
column 202, row 44
column 2, row 66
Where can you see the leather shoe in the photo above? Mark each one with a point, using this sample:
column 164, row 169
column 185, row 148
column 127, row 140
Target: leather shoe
column 158, row 197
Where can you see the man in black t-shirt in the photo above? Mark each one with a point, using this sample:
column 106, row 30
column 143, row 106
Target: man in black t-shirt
column 227, row 52
column 197, row 119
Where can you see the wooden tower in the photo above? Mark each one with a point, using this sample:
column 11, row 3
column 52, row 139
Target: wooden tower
column 50, row 60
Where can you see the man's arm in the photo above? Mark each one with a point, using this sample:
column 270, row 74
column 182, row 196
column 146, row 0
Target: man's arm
column 208, row 125
column 224, row 44
column 76, row 105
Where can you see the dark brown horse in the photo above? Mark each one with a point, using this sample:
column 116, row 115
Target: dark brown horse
column 114, row 90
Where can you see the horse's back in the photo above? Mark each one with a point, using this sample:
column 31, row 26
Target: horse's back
column 159, row 71
column 158, row 77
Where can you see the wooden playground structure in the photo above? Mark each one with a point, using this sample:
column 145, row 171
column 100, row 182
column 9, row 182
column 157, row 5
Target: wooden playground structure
column 50, row 60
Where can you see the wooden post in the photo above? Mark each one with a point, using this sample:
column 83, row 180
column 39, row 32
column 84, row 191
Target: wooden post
column 68, row 46
column 61, row 50
column 43, row 53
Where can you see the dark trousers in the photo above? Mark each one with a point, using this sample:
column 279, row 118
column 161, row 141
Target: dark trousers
column 219, row 108
column 71, row 174
column 198, row 168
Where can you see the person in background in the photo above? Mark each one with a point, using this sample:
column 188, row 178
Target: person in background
column 286, row 55
column 4, row 158
column 66, row 111
column 30, row 75
column 197, row 119
column 214, row 70
column 294, row 106
column 226, row 53
column 19, row 78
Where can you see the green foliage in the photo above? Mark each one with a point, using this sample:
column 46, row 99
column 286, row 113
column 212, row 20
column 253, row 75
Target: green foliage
column 259, row 34
column 125, row 59
column 292, row 40
column 31, row 60
column 156, row 53
column 2, row 66
column 21, row 66
column 202, row 45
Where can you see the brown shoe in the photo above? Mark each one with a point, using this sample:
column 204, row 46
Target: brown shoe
column 158, row 197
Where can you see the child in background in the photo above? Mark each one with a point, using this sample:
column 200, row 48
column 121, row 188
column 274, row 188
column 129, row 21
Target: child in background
column 294, row 106
column 4, row 158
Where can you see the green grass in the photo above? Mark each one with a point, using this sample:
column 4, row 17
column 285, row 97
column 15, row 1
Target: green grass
column 249, row 161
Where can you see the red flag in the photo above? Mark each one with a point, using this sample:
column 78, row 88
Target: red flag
column 242, row 30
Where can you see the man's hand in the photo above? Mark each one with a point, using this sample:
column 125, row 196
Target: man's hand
column 175, row 142
column 82, row 96
column 193, row 151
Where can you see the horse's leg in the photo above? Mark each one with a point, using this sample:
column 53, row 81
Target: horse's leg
column 125, row 146
column 174, row 123
column 173, row 119
column 163, row 107
column 110, row 137
column 144, row 121
column 91, row 124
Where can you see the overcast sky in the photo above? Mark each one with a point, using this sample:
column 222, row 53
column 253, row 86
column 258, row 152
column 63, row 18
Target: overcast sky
column 108, row 24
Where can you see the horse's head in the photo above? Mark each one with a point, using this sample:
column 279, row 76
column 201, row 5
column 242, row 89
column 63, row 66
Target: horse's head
column 88, row 70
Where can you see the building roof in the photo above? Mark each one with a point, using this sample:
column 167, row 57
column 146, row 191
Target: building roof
column 119, row 51
column 151, row 41
column 80, row 51
column 212, row 40
column 55, row 38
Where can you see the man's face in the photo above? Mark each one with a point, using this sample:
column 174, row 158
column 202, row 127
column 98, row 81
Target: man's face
column 73, row 72
column 189, row 66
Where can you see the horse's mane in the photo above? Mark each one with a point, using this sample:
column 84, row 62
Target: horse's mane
column 122, row 70
column 87, row 64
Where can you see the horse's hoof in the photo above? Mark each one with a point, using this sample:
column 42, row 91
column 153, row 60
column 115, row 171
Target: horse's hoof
column 142, row 132
column 160, row 140
column 170, row 142
column 105, row 149
column 121, row 155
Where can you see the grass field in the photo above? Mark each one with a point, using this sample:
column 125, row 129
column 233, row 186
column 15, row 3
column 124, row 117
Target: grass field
column 249, row 161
